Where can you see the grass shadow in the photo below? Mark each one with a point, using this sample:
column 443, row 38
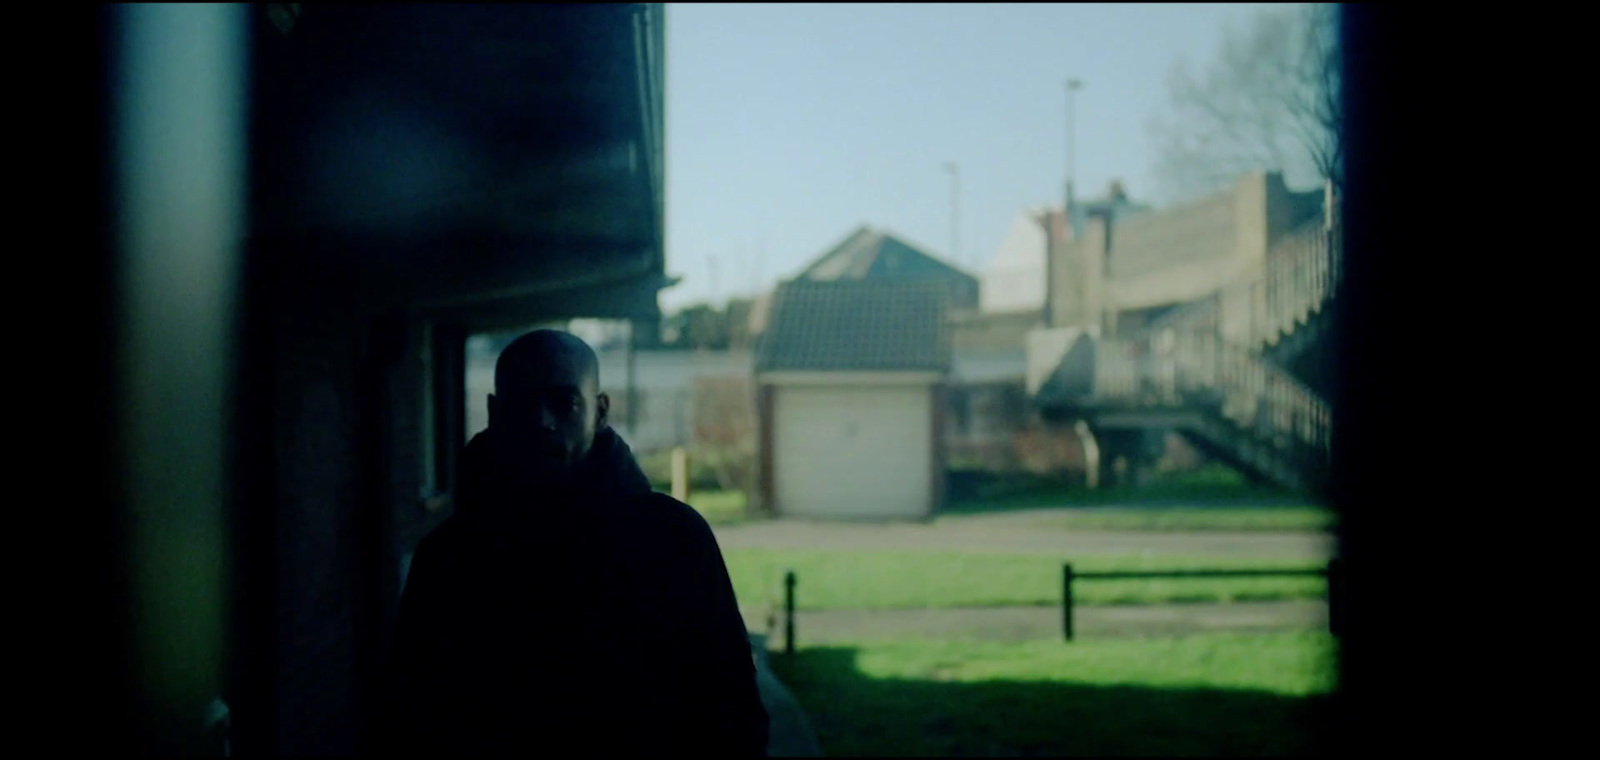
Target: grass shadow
column 854, row 714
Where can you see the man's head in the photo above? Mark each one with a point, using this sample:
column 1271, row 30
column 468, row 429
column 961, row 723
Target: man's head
column 546, row 405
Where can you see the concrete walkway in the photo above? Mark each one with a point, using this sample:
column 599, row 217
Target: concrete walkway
column 1021, row 533
column 1013, row 624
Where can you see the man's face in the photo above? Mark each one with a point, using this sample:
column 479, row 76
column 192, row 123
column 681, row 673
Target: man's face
column 543, row 418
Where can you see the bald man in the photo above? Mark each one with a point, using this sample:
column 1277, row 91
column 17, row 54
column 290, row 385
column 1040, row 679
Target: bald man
column 565, row 607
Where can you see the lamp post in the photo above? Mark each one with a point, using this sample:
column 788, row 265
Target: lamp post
column 955, row 209
column 1073, row 85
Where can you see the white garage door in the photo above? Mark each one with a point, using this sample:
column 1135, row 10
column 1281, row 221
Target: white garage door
column 852, row 452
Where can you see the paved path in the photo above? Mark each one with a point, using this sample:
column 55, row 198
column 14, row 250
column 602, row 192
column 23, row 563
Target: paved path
column 1020, row 533
column 790, row 731
column 1044, row 623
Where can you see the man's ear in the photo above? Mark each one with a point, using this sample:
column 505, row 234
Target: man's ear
column 602, row 410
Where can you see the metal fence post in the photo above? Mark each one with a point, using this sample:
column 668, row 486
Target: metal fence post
column 788, row 612
column 1066, row 600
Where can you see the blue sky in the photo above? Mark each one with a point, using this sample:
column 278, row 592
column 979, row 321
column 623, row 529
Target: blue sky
column 790, row 125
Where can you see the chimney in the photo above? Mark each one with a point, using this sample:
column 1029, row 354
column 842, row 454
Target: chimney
column 1106, row 216
column 1118, row 193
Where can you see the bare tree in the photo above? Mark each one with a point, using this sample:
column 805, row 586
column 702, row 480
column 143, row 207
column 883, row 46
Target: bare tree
column 1268, row 102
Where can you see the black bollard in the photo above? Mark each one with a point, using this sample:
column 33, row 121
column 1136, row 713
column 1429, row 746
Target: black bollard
column 1335, row 597
column 788, row 612
column 1066, row 600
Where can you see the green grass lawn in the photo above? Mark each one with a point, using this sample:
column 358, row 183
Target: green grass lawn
column 1211, row 498
column 719, row 507
column 902, row 580
column 1119, row 510
column 1216, row 694
column 728, row 508
column 1286, row 518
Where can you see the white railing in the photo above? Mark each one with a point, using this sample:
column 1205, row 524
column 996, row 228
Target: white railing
column 1202, row 354
column 1205, row 352
column 1301, row 276
column 1116, row 370
column 1172, row 368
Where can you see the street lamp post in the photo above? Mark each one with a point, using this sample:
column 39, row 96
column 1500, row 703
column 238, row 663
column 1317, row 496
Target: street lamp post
column 955, row 209
column 1073, row 85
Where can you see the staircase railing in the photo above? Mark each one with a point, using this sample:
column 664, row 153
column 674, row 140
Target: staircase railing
column 1300, row 276
column 1187, row 368
column 1164, row 368
column 1202, row 355
column 1273, row 405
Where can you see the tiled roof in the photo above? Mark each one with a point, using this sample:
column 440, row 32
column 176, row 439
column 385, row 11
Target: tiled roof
column 857, row 325
column 871, row 254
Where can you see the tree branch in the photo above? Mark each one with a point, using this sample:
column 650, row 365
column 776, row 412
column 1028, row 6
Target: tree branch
column 1269, row 101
